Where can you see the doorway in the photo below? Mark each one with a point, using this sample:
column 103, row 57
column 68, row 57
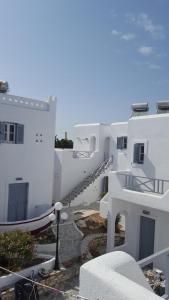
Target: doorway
column 147, row 232
column 17, row 201
column 107, row 148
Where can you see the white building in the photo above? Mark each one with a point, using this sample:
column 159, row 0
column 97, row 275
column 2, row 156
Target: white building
column 139, row 192
column 79, row 171
column 138, row 178
column 139, row 188
column 27, row 130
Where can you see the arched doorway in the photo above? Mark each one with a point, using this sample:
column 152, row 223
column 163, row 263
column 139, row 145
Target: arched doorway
column 120, row 229
column 107, row 147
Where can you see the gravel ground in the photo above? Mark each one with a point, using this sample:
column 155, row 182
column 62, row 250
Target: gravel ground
column 72, row 287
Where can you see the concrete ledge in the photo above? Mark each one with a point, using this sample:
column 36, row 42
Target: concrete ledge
column 11, row 279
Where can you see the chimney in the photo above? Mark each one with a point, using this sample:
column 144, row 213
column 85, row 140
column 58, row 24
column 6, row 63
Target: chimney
column 66, row 136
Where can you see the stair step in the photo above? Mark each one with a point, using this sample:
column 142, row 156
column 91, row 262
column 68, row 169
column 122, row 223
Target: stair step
column 87, row 181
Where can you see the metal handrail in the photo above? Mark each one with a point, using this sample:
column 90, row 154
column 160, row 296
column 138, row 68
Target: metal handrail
column 102, row 167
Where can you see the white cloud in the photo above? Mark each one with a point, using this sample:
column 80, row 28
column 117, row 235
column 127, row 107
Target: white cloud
column 156, row 31
column 142, row 20
column 128, row 36
column 154, row 67
column 115, row 32
column 123, row 36
column 144, row 50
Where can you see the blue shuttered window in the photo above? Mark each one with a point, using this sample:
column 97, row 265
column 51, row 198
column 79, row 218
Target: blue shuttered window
column 138, row 153
column 2, row 132
column 122, row 142
column 19, row 134
column 12, row 133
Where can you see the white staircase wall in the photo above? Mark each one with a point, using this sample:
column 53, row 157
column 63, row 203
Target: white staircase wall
column 70, row 171
column 91, row 194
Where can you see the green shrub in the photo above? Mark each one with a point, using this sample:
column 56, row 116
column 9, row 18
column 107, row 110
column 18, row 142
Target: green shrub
column 17, row 247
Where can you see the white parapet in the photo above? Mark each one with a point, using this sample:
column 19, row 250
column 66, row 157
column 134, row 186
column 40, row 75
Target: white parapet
column 114, row 276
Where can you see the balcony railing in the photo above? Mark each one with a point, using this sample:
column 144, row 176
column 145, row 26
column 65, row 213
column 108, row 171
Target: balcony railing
column 159, row 262
column 82, row 154
column 144, row 184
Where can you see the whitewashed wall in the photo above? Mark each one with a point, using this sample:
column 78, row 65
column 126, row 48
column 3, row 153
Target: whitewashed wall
column 120, row 156
column 69, row 171
column 32, row 161
column 153, row 131
column 114, row 276
column 132, row 214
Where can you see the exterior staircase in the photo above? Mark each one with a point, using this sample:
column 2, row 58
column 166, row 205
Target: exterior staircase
column 101, row 168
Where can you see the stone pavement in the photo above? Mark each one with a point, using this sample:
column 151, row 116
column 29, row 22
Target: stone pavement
column 71, row 286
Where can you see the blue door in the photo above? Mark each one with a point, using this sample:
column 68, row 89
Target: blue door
column 17, row 201
column 147, row 231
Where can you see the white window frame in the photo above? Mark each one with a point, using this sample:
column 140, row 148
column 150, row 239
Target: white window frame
column 8, row 132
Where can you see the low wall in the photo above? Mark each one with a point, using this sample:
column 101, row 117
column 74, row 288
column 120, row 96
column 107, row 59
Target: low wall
column 11, row 279
column 85, row 254
column 56, row 279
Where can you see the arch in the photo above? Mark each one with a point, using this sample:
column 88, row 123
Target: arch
column 120, row 229
column 107, row 147
column 93, row 144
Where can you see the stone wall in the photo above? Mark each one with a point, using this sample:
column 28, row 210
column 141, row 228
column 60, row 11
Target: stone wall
column 70, row 238
column 85, row 253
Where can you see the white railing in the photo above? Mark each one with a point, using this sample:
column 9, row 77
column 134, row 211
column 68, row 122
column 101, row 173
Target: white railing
column 159, row 260
column 144, row 184
column 82, row 154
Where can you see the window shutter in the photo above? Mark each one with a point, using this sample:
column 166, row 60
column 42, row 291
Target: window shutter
column 136, row 153
column 119, row 143
column 2, row 132
column 125, row 142
column 19, row 134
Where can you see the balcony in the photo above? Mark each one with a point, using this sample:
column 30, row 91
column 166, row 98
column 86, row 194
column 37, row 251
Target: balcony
column 144, row 191
column 144, row 184
column 82, row 154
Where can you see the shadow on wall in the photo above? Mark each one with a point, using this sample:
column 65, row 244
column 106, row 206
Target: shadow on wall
column 148, row 167
column 57, row 178
column 92, row 143
column 107, row 148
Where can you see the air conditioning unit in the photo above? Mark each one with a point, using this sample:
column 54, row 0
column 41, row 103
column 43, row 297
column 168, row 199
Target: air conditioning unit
column 162, row 107
column 4, row 86
column 139, row 109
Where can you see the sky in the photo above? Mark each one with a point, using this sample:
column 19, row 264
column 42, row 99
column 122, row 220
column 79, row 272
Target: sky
column 97, row 56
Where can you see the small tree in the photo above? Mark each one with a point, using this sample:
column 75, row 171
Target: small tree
column 17, row 247
column 63, row 143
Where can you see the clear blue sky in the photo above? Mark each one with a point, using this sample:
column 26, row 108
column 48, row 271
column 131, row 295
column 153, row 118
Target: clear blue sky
column 96, row 56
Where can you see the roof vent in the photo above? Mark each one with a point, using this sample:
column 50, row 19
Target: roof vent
column 4, row 86
column 139, row 109
column 162, row 107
